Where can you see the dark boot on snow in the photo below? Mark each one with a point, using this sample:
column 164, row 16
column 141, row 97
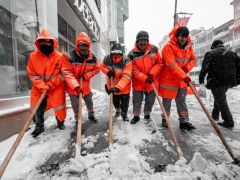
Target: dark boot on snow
column 164, row 123
column 117, row 114
column 147, row 117
column 135, row 119
column 92, row 118
column 187, row 126
column 37, row 131
column 60, row 125
column 226, row 124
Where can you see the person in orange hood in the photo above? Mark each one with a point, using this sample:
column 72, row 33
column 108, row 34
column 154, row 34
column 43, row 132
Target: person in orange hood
column 48, row 69
column 179, row 58
column 147, row 64
column 118, row 67
column 85, row 66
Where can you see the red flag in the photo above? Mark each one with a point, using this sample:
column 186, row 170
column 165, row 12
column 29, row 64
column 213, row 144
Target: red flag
column 183, row 21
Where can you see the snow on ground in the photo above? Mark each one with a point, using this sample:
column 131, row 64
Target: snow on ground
column 123, row 159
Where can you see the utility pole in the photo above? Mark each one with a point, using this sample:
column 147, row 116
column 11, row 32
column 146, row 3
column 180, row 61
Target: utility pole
column 175, row 14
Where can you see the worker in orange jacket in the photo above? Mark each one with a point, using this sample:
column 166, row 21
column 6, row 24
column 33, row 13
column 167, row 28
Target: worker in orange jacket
column 179, row 58
column 85, row 66
column 118, row 67
column 48, row 69
column 147, row 64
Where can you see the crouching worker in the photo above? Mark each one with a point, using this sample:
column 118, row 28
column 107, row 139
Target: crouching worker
column 85, row 66
column 47, row 68
column 119, row 68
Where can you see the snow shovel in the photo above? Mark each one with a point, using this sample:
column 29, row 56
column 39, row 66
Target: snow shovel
column 214, row 125
column 110, row 141
column 20, row 135
column 79, row 126
column 169, row 123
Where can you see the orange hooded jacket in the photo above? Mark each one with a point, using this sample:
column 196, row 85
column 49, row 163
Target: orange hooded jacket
column 175, row 58
column 50, row 71
column 144, row 64
column 86, row 68
column 123, row 73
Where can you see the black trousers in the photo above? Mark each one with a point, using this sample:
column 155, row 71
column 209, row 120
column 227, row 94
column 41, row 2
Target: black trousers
column 39, row 116
column 221, row 105
column 121, row 103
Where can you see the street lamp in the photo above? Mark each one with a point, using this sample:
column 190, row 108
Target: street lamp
column 176, row 14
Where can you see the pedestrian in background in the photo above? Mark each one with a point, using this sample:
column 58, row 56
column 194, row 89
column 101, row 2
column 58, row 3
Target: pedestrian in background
column 221, row 66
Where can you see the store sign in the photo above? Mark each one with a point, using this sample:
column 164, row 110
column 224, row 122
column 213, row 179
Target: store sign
column 87, row 17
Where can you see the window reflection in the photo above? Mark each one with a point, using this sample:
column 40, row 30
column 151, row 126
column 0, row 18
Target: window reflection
column 18, row 30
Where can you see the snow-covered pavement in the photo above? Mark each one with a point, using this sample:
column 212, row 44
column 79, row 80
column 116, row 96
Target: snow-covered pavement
column 136, row 152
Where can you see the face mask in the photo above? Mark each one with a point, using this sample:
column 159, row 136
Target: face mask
column 45, row 49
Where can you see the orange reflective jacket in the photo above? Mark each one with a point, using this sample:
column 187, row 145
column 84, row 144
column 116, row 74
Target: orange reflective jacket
column 50, row 71
column 144, row 64
column 175, row 58
column 83, row 67
column 123, row 73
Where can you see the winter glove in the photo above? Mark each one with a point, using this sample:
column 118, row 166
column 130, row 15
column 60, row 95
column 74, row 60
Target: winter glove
column 201, row 80
column 187, row 80
column 149, row 79
column 106, row 89
column 111, row 73
column 114, row 90
column 45, row 88
column 78, row 90
column 185, row 69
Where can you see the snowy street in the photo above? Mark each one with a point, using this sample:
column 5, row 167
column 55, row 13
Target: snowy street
column 136, row 152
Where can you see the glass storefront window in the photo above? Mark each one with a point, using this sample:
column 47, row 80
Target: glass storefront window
column 71, row 34
column 62, row 26
column 67, row 36
column 18, row 30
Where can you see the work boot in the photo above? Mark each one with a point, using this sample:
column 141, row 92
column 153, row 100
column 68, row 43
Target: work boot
column 37, row 131
column 164, row 123
column 92, row 118
column 147, row 118
column 60, row 125
column 117, row 114
column 226, row 124
column 187, row 126
column 135, row 119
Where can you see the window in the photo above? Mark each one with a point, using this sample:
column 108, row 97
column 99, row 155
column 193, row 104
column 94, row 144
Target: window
column 62, row 26
column 71, row 34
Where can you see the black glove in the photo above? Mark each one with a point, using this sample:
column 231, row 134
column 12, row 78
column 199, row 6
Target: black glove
column 111, row 73
column 187, row 80
column 114, row 90
column 106, row 89
column 149, row 79
column 185, row 69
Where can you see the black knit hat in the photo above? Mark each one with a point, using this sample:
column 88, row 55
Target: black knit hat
column 216, row 43
column 182, row 31
column 116, row 48
column 142, row 35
